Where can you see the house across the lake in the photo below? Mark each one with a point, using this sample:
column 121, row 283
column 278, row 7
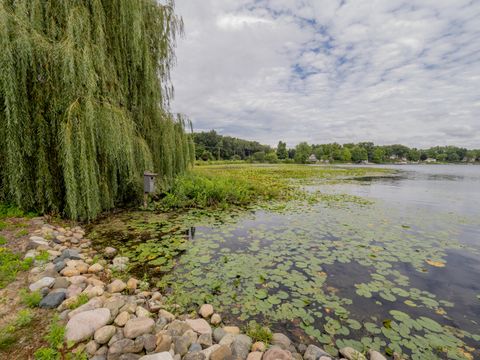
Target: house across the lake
column 312, row 159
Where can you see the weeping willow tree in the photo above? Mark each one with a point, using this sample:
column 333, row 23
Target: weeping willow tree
column 84, row 96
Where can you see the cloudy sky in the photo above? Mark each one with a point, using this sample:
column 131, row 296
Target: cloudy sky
column 387, row 71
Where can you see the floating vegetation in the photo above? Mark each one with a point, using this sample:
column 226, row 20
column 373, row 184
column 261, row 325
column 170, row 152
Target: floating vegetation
column 346, row 275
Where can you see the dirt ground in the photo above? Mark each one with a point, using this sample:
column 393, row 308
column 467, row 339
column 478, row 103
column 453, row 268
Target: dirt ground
column 31, row 337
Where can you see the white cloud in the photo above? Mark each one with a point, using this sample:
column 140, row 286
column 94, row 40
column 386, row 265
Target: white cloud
column 323, row 70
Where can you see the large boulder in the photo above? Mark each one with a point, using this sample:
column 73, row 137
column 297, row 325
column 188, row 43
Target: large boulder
column 83, row 325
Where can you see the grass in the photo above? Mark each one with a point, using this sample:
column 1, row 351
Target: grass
column 81, row 300
column 10, row 265
column 259, row 333
column 57, row 348
column 221, row 186
column 30, row 299
column 8, row 334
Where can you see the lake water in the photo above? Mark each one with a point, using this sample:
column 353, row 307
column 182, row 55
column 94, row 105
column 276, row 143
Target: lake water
column 391, row 263
column 401, row 273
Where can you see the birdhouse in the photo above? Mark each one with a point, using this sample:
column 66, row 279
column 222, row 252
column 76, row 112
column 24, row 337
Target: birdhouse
column 149, row 182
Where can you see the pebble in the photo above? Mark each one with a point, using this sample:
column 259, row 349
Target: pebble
column 314, row 353
column 206, row 310
column 139, row 326
column 255, row 356
column 95, row 268
column 281, row 340
column 116, row 286
column 241, row 346
column 235, row 330
column 276, row 353
column 221, row 353
column 199, row 325
column 44, row 282
column 259, row 346
column 215, row 319
column 351, row 354
column 164, row 342
column 159, row 356
column 104, row 334
column 122, row 318
column 132, row 284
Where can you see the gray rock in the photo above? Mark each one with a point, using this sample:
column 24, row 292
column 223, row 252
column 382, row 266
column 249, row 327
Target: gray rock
column 160, row 324
column 209, row 351
column 121, row 346
column 218, row 334
column 139, row 326
column 241, row 346
column 205, row 340
column 59, row 265
column 61, row 283
column 281, row 340
column 83, row 325
column 195, row 347
column 91, row 347
column 110, row 252
column 52, row 300
column 104, row 334
column 158, row 356
column 72, row 254
column 182, row 343
column 36, row 241
column 44, row 282
column 177, row 328
column 194, row 356
column 129, row 357
column 314, row 353
column 149, row 342
column 120, row 263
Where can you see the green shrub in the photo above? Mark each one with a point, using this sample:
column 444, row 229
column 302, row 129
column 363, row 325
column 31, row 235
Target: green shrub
column 30, row 299
column 199, row 191
column 3, row 240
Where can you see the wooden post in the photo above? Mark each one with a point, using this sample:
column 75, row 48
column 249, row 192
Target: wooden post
column 145, row 198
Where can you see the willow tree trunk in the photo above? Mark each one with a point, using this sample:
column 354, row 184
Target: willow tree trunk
column 84, row 94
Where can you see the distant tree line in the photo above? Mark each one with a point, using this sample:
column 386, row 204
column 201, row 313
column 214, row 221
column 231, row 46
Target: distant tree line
column 213, row 146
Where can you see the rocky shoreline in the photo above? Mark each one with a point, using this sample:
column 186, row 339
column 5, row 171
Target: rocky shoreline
column 110, row 319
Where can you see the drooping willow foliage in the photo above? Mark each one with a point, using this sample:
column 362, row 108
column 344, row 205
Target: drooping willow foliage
column 84, row 93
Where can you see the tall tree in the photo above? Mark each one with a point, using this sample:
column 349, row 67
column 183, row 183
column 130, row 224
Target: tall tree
column 282, row 150
column 84, row 94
